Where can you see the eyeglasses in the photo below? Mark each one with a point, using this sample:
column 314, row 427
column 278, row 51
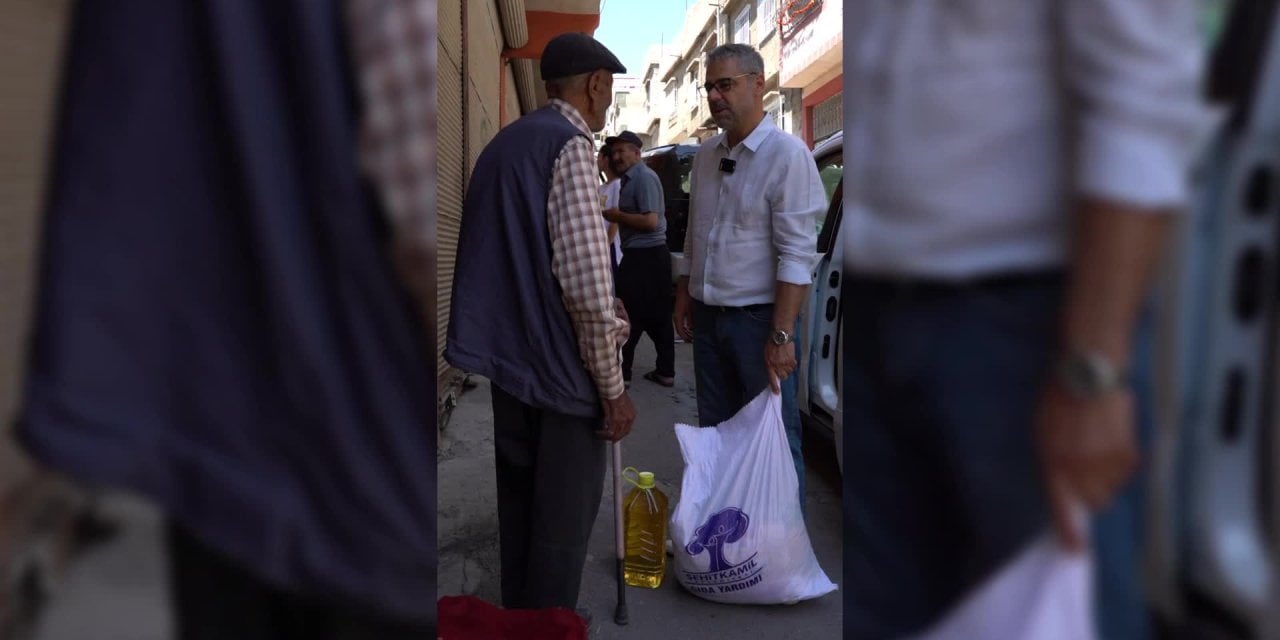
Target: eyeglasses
column 723, row 85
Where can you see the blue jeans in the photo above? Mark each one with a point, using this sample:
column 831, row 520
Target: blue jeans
column 728, row 363
column 942, row 480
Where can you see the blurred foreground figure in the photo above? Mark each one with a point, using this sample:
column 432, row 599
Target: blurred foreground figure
column 220, row 326
column 1013, row 170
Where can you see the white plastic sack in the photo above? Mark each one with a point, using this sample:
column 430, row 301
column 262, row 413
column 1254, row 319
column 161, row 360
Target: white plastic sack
column 738, row 532
column 1045, row 593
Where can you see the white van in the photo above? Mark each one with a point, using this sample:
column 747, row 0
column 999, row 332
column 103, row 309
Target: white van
column 1212, row 565
column 821, row 321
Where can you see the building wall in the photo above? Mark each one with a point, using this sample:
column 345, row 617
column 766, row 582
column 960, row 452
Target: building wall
column 683, row 111
column 475, row 88
column 811, row 49
column 680, row 110
column 31, row 32
column 630, row 116
column 37, row 507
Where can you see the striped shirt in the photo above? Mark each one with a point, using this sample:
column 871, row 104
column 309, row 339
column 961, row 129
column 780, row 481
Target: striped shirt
column 580, row 256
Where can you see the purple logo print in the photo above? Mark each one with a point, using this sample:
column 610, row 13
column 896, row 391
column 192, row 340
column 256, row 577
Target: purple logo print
column 723, row 528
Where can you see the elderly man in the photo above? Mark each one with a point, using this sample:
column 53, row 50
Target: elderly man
column 644, row 277
column 1015, row 170
column 534, row 311
column 755, row 196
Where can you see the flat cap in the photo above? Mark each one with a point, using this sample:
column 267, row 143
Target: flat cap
column 625, row 136
column 569, row 54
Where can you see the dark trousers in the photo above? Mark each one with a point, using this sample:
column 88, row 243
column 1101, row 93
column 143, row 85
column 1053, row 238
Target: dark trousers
column 214, row 599
column 728, row 362
column 550, row 481
column 941, row 477
column 644, row 284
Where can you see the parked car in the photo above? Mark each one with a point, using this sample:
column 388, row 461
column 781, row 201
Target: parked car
column 673, row 163
column 1213, row 512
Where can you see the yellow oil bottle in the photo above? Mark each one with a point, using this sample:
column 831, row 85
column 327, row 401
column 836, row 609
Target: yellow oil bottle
column 645, row 522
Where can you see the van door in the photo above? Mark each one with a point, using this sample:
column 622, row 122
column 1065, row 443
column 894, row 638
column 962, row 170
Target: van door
column 819, row 383
column 1213, row 545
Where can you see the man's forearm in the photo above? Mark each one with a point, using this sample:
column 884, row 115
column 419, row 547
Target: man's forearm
column 638, row 221
column 788, row 298
column 1116, row 248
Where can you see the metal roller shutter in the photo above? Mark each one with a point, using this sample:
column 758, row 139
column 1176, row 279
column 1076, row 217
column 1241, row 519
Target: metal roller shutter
column 452, row 165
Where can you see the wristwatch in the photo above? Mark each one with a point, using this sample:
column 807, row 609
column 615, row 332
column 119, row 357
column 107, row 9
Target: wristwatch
column 1088, row 374
column 781, row 337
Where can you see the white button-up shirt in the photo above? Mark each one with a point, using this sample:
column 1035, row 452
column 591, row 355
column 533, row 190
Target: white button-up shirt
column 971, row 125
column 754, row 227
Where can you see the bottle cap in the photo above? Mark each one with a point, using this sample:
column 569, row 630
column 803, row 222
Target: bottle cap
column 646, row 480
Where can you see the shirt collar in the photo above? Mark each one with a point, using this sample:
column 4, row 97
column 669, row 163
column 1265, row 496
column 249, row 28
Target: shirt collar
column 635, row 168
column 755, row 138
column 571, row 113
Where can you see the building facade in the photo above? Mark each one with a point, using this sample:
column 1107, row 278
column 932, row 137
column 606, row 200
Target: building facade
column 37, row 508
column 628, row 110
column 800, row 42
column 812, row 44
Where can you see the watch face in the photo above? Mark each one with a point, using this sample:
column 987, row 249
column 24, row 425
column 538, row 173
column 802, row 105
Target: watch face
column 781, row 337
column 1089, row 374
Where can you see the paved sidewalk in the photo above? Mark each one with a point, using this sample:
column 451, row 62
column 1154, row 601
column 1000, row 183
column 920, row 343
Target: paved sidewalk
column 468, row 523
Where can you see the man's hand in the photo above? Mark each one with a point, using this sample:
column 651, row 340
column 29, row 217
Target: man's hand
column 682, row 315
column 613, row 214
column 1089, row 451
column 780, row 360
column 619, row 413
column 620, row 310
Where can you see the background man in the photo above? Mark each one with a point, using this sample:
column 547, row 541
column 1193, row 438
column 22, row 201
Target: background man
column 749, row 254
column 1010, row 193
column 644, row 277
column 536, row 315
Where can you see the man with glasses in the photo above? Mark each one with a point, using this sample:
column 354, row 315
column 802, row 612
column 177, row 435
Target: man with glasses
column 755, row 196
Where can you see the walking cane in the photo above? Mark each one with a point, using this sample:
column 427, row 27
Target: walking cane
column 619, row 542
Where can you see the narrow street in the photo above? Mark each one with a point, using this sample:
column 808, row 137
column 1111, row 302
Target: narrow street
column 468, row 535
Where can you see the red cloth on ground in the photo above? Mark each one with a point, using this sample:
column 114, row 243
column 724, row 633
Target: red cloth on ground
column 470, row 618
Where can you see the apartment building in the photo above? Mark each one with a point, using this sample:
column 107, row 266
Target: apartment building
column 628, row 110
column 812, row 44
column 800, row 41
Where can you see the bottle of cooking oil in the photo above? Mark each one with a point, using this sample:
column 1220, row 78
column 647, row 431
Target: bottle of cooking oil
column 645, row 521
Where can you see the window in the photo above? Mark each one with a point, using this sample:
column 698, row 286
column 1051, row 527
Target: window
column 742, row 26
column 830, row 170
column 828, row 117
column 620, row 99
column 767, row 15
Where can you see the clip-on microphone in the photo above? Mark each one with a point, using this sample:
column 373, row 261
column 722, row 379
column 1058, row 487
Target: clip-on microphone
column 727, row 165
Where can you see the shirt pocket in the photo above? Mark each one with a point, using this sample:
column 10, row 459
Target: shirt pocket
column 751, row 207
